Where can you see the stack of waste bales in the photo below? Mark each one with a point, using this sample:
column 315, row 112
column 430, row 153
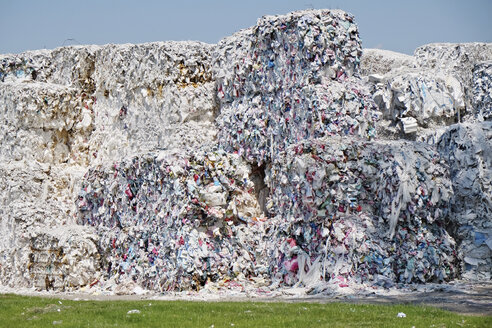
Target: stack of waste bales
column 270, row 159
column 289, row 78
column 45, row 121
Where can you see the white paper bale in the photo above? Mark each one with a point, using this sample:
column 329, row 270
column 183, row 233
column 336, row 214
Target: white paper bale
column 45, row 122
column 457, row 59
column 68, row 66
column 152, row 95
column 34, row 198
column 63, row 258
column 431, row 97
column 379, row 61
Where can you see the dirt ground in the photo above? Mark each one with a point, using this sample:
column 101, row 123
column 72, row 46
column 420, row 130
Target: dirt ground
column 477, row 300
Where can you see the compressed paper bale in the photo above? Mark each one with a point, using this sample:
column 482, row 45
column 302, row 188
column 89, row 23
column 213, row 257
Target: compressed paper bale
column 68, row 66
column 34, row 198
column 125, row 67
column 468, row 150
column 317, row 186
column 389, row 177
column 31, row 199
column 63, row 258
column 379, row 61
column 457, row 59
column 174, row 78
column 45, row 122
column 161, row 224
column 430, row 97
column 482, row 89
column 346, row 250
column 139, row 130
column 331, row 108
column 149, row 95
column 284, row 51
column 45, row 130
column 44, row 142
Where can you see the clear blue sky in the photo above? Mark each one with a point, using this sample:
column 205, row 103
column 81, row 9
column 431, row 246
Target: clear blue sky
column 398, row 25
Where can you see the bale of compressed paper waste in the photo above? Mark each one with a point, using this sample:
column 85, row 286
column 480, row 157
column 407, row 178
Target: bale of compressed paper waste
column 68, row 66
column 172, row 222
column 45, row 122
column 44, row 131
column 364, row 211
column 157, row 95
column 62, row 258
column 457, row 59
column 295, row 49
column 482, row 89
column 418, row 99
column 379, row 61
column 468, row 150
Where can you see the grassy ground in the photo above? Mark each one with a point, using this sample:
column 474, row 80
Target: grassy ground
column 22, row 311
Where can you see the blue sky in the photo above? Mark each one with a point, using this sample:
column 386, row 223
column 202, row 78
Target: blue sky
column 388, row 24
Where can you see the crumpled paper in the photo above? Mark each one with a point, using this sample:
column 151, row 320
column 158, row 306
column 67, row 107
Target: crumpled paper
column 172, row 222
column 289, row 78
column 357, row 211
column 468, row 150
column 482, row 86
column 457, row 59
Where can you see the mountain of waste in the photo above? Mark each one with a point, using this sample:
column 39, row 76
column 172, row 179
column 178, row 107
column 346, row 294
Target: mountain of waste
column 285, row 155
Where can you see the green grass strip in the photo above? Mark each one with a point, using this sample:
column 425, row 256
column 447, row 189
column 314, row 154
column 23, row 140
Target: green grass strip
column 23, row 311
